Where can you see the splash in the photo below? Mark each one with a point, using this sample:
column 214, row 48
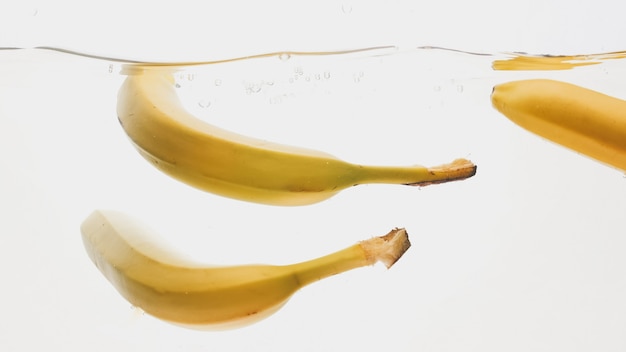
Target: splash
column 525, row 62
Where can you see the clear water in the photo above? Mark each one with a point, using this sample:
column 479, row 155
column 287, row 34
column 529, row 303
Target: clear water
column 383, row 105
column 267, row 94
column 373, row 105
column 534, row 238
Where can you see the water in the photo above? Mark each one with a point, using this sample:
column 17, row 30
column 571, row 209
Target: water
column 295, row 97
column 427, row 61
column 537, row 231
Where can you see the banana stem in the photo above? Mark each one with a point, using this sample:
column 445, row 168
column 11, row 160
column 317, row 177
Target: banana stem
column 386, row 249
column 459, row 169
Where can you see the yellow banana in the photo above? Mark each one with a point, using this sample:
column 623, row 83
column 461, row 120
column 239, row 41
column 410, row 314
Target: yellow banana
column 581, row 119
column 165, row 285
column 240, row 167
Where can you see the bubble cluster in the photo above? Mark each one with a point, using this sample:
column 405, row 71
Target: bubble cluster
column 253, row 87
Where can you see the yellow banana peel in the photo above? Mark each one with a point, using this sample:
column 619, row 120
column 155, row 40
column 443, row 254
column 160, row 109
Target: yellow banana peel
column 241, row 167
column 170, row 287
column 584, row 120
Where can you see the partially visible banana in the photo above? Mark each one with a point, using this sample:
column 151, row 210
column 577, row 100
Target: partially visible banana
column 165, row 285
column 581, row 119
column 240, row 167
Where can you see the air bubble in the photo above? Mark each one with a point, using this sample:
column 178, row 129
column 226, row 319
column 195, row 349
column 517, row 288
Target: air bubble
column 437, row 88
column 111, row 68
column 253, row 88
column 137, row 310
column 346, row 8
column 459, row 88
column 203, row 103
column 284, row 56
column 298, row 70
column 327, row 75
column 217, row 82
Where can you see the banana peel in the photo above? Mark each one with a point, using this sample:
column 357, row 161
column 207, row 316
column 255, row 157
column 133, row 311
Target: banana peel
column 581, row 119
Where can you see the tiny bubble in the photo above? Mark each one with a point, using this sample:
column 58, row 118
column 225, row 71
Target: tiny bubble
column 177, row 85
column 284, row 56
column 318, row 76
column 218, row 82
column 137, row 310
column 437, row 88
column 190, row 76
column 299, row 71
column 307, row 78
column 459, row 88
column 346, row 8
column 327, row 74
column 110, row 68
column 253, row 88
column 203, row 103
column 269, row 83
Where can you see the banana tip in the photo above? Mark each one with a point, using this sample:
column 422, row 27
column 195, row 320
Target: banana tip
column 387, row 249
column 457, row 170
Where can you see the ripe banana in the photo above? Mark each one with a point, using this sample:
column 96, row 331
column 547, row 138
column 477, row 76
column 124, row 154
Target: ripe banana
column 228, row 164
column 581, row 119
column 167, row 286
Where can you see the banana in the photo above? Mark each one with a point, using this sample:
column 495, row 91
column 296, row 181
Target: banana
column 240, row 167
column 581, row 119
column 167, row 286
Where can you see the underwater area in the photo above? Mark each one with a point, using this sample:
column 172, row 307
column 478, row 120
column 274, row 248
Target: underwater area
column 525, row 255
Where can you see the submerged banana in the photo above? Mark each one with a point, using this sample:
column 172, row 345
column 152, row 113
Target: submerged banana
column 581, row 119
column 165, row 285
column 240, row 167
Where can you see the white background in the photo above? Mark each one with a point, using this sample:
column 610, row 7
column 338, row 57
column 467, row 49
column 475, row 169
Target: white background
column 525, row 256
